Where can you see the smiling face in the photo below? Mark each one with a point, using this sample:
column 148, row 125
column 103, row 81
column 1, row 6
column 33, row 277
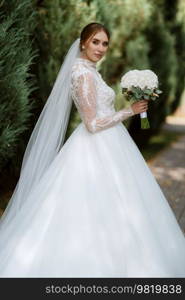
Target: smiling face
column 96, row 47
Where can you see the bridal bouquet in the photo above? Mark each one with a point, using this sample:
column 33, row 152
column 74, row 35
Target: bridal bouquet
column 138, row 85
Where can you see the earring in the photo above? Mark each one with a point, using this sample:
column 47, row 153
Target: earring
column 83, row 47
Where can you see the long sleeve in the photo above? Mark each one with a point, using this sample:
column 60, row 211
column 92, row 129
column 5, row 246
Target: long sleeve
column 85, row 97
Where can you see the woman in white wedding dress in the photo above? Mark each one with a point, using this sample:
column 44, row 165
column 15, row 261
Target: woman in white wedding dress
column 93, row 207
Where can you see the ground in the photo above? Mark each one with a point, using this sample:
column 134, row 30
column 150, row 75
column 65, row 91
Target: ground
column 168, row 168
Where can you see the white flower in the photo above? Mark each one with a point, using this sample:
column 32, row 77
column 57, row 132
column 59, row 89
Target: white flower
column 140, row 78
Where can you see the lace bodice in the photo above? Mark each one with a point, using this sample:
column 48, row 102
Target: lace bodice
column 93, row 98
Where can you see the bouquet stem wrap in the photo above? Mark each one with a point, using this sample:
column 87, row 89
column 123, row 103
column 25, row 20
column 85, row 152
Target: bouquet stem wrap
column 144, row 121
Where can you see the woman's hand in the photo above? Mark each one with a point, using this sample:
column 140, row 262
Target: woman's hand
column 140, row 106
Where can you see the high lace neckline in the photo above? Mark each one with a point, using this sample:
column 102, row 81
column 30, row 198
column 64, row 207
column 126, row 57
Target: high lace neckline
column 87, row 62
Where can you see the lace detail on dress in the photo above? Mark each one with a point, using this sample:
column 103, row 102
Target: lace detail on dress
column 93, row 98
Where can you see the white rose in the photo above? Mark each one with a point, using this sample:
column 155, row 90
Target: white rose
column 141, row 78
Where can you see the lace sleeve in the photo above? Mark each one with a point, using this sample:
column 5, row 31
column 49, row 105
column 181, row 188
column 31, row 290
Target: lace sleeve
column 84, row 95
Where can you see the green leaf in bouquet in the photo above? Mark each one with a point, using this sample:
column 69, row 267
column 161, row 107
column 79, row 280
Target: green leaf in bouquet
column 148, row 91
column 124, row 90
column 141, row 94
column 158, row 91
column 145, row 123
column 153, row 98
column 139, row 89
column 138, row 96
column 134, row 89
column 132, row 97
column 146, row 97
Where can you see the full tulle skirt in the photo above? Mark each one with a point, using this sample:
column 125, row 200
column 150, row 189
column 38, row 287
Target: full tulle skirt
column 97, row 212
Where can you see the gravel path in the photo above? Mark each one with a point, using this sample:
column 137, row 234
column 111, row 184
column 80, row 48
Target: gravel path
column 168, row 168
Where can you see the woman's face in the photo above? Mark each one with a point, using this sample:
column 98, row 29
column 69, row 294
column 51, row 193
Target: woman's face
column 96, row 47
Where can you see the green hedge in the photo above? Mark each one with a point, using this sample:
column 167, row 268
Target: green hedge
column 17, row 23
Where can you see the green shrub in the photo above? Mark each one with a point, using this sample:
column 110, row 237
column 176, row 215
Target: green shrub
column 17, row 21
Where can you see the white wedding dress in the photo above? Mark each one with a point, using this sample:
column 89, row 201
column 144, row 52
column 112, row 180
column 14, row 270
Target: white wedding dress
column 98, row 210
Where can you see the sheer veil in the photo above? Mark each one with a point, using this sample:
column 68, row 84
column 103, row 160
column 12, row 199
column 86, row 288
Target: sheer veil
column 47, row 137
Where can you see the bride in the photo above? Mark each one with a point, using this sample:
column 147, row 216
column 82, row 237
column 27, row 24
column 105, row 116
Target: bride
column 89, row 207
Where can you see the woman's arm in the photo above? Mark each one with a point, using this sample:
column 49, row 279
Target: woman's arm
column 84, row 92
